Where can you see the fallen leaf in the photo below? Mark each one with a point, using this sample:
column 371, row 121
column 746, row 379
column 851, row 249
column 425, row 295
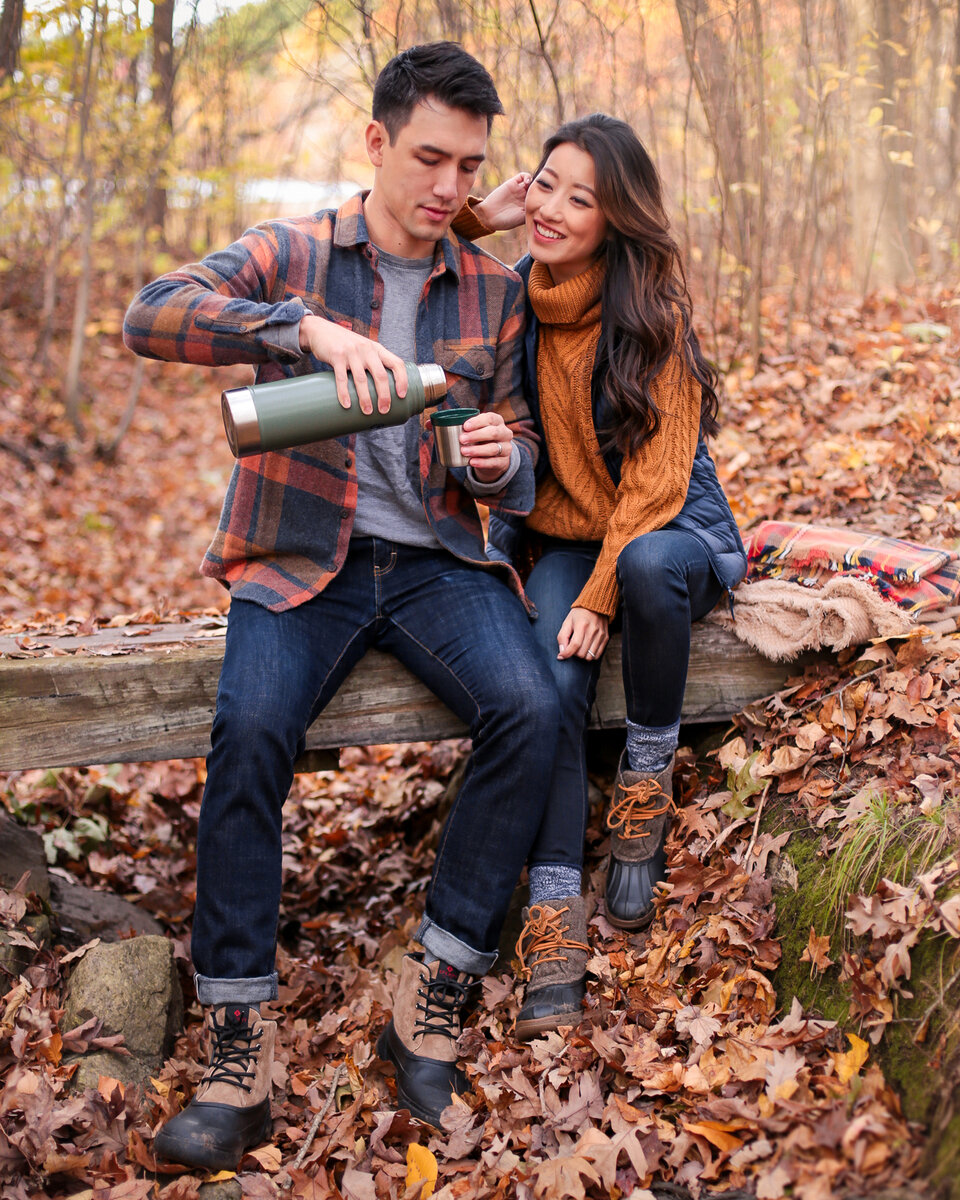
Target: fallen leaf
column 421, row 1166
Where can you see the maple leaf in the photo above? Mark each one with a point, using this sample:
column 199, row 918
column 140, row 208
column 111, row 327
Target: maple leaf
column 816, row 953
column 781, row 1073
column 700, row 1027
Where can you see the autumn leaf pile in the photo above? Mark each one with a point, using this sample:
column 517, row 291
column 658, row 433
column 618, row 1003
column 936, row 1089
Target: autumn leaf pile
column 689, row 1074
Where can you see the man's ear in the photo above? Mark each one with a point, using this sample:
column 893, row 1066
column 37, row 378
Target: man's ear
column 376, row 137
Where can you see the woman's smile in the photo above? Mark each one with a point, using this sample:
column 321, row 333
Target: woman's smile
column 566, row 226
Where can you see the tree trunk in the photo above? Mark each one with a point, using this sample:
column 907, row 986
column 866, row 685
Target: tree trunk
column 81, row 305
column 11, row 30
column 71, row 383
column 719, row 76
column 879, row 252
column 894, row 64
column 163, row 77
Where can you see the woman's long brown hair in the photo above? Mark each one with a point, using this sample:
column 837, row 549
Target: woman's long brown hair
column 645, row 303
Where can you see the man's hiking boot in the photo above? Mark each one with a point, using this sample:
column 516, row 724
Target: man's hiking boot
column 421, row 1038
column 639, row 821
column 230, row 1111
column 553, row 951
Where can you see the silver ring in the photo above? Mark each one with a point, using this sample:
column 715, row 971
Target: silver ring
column 589, row 654
column 499, row 450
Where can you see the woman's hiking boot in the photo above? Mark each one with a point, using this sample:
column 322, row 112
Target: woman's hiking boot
column 421, row 1038
column 230, row 1110
column 639, row 821
column 553, row 951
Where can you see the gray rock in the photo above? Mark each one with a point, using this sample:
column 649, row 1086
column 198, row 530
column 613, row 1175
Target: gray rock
column 226, row 1189
column 84, row 913
column 22, row 850
column 133, row 987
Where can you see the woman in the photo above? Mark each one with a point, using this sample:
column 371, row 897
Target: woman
column 629, row 516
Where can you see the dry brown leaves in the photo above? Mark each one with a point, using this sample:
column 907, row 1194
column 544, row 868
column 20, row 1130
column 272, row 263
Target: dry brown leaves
column 687, row 1071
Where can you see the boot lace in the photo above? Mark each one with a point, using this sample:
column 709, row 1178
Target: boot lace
column 544, row 937
column 443, row 998
column 636, row 807
column 233, row 1053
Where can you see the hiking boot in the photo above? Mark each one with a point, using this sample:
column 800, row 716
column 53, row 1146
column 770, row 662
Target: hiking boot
column 553, row 950
column 639, row 822
column 421, row 1039
column 230, row 1111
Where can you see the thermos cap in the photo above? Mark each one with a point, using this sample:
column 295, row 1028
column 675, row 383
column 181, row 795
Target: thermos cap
column 434, row 382
column 240, row 421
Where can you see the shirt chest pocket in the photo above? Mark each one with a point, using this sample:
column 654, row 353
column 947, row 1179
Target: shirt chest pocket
column 468, row 366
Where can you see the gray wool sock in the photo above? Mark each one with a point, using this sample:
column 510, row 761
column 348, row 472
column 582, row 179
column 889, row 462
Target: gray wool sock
column 553, row 883
column 649, row 747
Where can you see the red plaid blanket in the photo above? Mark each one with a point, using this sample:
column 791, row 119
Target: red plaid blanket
column 917, row 578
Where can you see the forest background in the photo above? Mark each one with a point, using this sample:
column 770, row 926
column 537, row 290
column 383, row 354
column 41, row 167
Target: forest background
column 809, row 150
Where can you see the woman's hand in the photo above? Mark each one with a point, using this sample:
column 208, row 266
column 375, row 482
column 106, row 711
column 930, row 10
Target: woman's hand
column 503, row 208
column 584, row 634
column 485, row 441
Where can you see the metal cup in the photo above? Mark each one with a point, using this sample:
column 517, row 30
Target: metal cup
column 447, row 423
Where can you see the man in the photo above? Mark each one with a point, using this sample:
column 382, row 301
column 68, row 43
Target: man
column 356, row 541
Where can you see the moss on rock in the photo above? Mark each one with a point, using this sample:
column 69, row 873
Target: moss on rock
column 925, row 1075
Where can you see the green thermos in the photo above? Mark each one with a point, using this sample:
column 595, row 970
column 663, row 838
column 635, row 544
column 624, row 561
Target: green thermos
column 293, row 412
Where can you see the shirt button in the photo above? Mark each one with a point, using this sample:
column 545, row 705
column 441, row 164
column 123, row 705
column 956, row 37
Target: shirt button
column 374, row 303
column 344, row 513
column 346, row 461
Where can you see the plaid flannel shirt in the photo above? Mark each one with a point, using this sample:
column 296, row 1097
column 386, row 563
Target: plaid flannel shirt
column 287, row 516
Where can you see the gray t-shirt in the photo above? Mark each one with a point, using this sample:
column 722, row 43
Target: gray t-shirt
column 388, row 481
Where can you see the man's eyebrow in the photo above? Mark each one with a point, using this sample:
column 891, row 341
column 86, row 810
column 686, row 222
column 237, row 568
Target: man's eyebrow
column 428, row 149
column 551, row 171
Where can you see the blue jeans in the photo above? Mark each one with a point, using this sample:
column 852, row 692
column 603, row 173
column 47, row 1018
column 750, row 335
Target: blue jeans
column 666, row 582
column 467, row 636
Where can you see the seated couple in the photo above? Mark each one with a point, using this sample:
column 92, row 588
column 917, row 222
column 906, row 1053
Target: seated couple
column 589, row 449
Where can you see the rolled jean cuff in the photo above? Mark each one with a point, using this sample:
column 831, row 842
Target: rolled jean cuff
column 241, row 991
column 440, row 944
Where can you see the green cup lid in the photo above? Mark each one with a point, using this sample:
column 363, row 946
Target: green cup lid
column 453, row 416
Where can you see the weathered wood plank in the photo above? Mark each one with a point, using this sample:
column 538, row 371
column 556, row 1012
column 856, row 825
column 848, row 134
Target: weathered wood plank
column 157, row 701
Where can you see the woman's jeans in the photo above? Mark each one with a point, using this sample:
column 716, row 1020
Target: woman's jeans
column 467, row 636
column 666, row 582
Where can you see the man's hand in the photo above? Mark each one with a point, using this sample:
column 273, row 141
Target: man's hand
column 584, row 634
column 486, row 440
column 504, row 207
column 351, row 353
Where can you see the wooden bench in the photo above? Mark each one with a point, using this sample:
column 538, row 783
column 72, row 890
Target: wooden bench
column 147, row 692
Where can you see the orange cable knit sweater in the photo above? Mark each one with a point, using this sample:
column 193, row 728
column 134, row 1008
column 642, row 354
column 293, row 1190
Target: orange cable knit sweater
column 578, row 500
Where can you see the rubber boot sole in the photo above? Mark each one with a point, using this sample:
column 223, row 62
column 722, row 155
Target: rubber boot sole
column 636, row 923
column 206, row 1148
column 391, row 1050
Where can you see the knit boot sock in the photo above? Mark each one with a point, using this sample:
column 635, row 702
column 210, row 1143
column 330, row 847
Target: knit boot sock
column 230, row 1111
column 553, row 951
column 639, row 821
column 421, row 1038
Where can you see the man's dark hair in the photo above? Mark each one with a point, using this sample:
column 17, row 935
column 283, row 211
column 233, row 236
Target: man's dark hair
column 441, row 69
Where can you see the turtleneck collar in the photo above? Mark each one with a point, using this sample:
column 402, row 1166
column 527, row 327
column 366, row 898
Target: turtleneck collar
column 574, row 303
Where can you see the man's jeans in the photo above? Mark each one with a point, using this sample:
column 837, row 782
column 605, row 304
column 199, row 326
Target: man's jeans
column 666, row 582
column 467, row 636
